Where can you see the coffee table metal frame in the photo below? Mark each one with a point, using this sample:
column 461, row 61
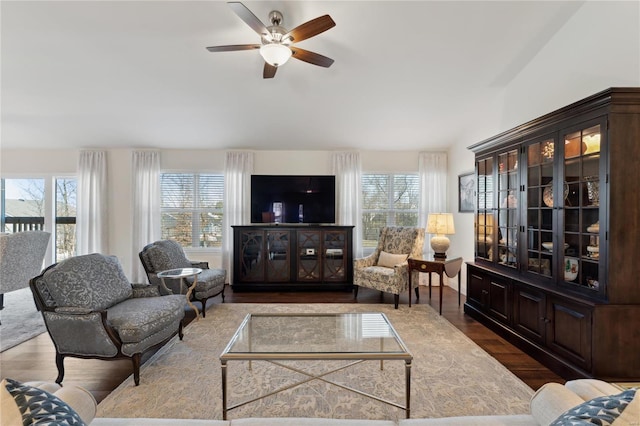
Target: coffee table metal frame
column 356, row 357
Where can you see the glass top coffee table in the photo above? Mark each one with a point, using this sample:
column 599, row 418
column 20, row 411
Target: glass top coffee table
column 356, row 337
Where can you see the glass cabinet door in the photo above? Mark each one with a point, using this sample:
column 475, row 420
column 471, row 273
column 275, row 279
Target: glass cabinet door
column 278, row 260
column 334, row 262
column 508, row 184
column 581, row 218
column 539, row 206
column 484, row 226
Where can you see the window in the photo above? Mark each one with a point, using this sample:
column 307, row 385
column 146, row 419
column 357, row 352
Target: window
column 65, row 233
column 191, row 208
column 25, row 207
column 388, row 200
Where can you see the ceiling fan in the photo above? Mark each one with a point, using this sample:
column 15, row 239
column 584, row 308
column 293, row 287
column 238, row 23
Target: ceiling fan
column 276, row 42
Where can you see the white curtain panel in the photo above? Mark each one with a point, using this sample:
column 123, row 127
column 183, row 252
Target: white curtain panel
column 348, row 172
column 146, row 206
column 432, row 168
column 237, row 201
column 92, row 223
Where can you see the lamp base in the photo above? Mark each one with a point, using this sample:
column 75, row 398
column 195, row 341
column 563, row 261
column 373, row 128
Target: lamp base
column 440, row 245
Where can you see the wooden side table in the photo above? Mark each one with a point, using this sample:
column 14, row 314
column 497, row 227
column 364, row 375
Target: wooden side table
column 182, row 274
column 450, row 267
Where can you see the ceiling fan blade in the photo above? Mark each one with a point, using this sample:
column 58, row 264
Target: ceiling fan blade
column 310, row 28
column 250, row 19
column 233, row 47
column 311, row 57
column 269, row 71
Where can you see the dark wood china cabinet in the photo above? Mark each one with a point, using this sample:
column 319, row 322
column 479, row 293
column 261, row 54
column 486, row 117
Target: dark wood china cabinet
column 556, row 267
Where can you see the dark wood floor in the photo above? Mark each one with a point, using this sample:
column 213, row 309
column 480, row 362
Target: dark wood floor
column 35, row 359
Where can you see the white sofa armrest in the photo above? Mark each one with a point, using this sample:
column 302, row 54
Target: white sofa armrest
column 588, row 389
column 551, row 400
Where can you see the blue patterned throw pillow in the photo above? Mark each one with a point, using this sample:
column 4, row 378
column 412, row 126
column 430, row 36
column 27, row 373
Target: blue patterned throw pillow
column 39, row 407
column 602, row 411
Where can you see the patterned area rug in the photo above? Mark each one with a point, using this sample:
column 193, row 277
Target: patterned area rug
column 20, row 319
column 451, row 375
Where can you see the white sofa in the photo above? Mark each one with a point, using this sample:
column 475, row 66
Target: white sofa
column 547, row 404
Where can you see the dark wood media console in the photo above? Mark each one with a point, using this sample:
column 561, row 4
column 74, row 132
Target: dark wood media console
column 292, row 257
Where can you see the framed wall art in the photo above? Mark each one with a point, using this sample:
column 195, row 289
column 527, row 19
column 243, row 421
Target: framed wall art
column 467, row 193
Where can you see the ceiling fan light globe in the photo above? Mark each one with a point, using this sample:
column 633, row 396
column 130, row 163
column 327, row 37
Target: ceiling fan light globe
column 275, row 54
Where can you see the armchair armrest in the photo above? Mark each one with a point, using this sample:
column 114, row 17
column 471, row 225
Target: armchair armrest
column 145, row 290
column 199, row 264
column 363, row 262
column 66, row 324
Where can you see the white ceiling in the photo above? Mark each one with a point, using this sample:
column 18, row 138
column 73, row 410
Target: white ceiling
column 83, row 74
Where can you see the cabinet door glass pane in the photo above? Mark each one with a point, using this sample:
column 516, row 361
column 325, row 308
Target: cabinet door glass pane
column 582, row 207
column 334, row 258
column 485, row 230
column 508, row 208
column 539, row 212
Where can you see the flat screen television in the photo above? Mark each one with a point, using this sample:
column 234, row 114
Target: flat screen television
column 293, row 199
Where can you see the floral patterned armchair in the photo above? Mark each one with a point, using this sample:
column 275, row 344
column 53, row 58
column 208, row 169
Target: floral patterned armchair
column 168, row 254
column 386, row 269
column 92, row 311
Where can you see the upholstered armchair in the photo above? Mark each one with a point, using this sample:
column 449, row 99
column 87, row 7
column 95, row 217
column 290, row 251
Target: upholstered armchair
column 92, row 311
column 386, row 269
column 168, row 254
column 21, row 256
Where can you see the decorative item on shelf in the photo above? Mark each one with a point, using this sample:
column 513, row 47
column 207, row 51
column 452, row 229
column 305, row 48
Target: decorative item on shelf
column 593, row 190
column 570, row 268
column 591, row 143
column 547, row 194
column 595, row 227
column 440, row 224
column 593, row 252
column 594, row 284
column 547, row 150
column 549, row 245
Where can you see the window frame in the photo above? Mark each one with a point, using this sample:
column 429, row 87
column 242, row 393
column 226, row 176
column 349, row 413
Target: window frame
column 390, row 210
column 50, row 213
column 195, row 211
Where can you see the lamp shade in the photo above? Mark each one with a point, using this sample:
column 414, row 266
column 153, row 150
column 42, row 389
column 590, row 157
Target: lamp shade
column 275, row 54
column 440, row 224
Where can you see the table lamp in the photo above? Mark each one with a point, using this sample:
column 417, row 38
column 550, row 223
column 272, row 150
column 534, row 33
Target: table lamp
column 440, row 224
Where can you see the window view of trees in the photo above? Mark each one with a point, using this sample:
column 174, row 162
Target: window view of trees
column 191, row 208
column 24, row 204
column 388, row 200
column 66, row 190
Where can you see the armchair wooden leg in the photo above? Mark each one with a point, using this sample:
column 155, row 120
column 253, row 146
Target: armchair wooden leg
column 222, row 294
column 204, row 307
column 136, row 368
column 180, row 335
column 417, row 293
column 396, row 300
column 60, row 365
column 355, row 291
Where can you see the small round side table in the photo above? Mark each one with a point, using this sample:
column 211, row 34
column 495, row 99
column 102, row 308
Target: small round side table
column 182, row 274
